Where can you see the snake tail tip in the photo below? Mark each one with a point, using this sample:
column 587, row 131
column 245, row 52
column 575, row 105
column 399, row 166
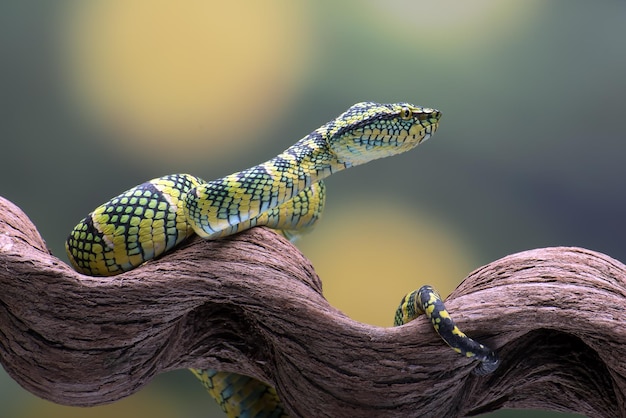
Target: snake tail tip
column 486, row 367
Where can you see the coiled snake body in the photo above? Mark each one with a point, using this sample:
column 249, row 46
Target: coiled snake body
column 285, row 193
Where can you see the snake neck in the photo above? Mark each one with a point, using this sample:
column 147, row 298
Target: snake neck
column 244, row 199
column 309, row 160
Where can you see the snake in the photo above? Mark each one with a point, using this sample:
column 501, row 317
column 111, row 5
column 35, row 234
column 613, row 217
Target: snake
column 286, row 193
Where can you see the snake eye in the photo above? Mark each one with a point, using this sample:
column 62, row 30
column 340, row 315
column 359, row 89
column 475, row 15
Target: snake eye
column 406, row 113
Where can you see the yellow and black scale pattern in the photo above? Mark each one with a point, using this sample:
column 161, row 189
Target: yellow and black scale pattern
column 426, row 300
column 285, row 193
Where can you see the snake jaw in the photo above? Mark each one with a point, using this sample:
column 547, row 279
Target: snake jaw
column 422, row 133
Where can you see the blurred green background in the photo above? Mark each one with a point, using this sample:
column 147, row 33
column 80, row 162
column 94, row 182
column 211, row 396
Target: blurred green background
column 97, row 96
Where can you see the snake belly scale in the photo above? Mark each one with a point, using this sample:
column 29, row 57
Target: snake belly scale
column 285, row 193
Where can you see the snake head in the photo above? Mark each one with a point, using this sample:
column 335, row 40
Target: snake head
column 368, row 131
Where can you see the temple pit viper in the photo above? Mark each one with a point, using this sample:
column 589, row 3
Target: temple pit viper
column 285, row 193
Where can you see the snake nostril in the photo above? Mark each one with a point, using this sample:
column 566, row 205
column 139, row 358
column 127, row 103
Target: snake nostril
column 429, row 115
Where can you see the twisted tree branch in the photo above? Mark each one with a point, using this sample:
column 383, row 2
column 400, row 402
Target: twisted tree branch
column 252, row 304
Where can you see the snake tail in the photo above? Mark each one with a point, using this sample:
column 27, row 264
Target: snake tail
column 427, row 301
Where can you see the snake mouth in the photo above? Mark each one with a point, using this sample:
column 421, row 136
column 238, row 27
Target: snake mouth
column 428, row 132
column 419, row 134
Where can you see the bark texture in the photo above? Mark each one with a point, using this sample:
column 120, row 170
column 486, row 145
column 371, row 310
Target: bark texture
column 252, row 304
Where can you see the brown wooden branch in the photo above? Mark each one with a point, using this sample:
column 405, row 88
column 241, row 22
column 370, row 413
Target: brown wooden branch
column 252, row 304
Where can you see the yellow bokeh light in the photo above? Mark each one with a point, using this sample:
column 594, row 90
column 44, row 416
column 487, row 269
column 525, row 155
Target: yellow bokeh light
column 179, row 78
column 371, row 253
